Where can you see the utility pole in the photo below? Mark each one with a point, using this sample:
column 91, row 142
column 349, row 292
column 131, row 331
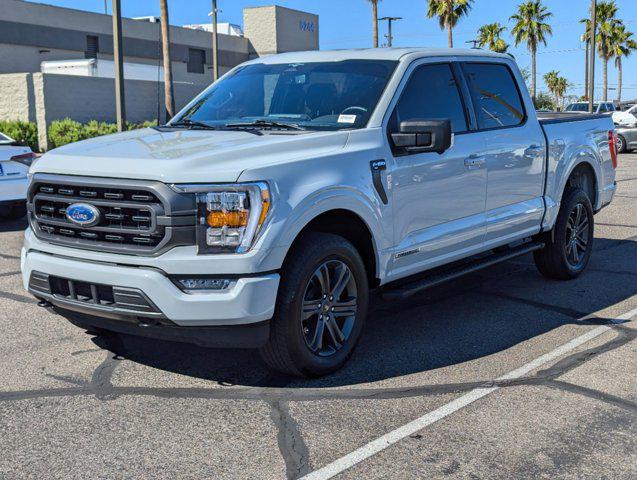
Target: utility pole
column 168, row 71
column 591, row 72
column 389, row 20
column 120, row 103
column 215, row 44
column 105, row 7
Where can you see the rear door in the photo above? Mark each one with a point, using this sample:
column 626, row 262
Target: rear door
column 515, row 155
column 438, row 199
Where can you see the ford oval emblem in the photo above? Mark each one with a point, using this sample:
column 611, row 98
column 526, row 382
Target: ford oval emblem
column 83, row 214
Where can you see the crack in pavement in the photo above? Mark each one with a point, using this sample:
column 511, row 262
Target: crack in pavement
column 9, row 274
column 291, row 445
column 16, row 297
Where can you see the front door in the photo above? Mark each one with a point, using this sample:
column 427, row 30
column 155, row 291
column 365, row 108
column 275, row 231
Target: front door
column 438, row 199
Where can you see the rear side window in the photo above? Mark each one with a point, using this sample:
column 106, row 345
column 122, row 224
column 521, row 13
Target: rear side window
column 496, row 98
column 431, row 94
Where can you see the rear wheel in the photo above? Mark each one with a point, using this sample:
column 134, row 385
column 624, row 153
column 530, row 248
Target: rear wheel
column 321, row 307
column 568, row 248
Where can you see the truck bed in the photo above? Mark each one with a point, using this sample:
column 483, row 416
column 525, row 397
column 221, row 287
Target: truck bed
column 559, row 117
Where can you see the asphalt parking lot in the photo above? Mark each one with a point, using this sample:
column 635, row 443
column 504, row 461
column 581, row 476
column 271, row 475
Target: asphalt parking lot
column 502, row 374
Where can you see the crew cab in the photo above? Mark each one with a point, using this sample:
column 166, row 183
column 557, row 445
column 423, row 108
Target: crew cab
column 263, row 214
column 15, row 160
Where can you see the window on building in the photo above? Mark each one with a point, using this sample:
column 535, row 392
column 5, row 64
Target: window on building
column 92, row 46
column 495, row 95
column 196, row 60
column 431, row 94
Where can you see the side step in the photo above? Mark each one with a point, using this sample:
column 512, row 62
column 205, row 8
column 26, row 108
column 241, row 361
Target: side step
column 406, row 290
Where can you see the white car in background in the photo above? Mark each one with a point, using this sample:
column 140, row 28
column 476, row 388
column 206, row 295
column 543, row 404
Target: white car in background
column 15, row 161
column 626, row 118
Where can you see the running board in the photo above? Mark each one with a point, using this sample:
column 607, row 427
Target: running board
column 407, row 290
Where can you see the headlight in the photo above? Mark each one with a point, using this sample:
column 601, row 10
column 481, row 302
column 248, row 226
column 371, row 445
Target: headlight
column 229, row 217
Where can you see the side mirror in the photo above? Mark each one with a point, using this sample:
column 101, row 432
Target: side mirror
column 421, row 136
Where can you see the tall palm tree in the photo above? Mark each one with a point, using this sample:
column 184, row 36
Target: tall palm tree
column 557, row 86
column 375, row 20
column 448, row 13
column 586, row 37
column 561, row 85
column 550, row 79
column 607, row 25
column 622, row 47
column 168, row 71
column 489, row 36
column 531, row 27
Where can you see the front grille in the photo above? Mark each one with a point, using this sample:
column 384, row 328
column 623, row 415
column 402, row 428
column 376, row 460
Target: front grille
column 135, row 217
column 92, row 294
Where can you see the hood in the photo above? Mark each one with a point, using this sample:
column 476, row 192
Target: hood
column 185, row 156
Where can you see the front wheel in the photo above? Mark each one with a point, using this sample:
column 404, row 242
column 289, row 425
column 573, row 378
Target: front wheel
column 568, row 249
column 321, row 307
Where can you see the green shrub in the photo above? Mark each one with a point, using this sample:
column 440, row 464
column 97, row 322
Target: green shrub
column 66, row 131
column 23, row 132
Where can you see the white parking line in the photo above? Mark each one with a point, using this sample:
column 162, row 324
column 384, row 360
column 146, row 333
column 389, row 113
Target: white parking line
column 381, row 443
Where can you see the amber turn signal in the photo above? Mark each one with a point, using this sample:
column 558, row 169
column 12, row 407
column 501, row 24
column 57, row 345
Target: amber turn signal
column 219, row 219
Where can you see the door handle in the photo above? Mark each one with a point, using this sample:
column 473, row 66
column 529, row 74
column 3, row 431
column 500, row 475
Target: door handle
column 474, row 161
column 534, row 150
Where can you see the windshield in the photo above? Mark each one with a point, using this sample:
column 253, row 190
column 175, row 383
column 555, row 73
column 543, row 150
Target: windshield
column 320, row 96
column 580, row 107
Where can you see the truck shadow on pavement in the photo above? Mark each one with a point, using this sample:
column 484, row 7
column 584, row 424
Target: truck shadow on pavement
column 476, row 316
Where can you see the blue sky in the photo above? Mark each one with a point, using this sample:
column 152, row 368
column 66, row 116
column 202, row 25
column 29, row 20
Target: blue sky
column 347, row 24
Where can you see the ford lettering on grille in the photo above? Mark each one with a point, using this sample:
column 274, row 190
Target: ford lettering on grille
column 83, row 214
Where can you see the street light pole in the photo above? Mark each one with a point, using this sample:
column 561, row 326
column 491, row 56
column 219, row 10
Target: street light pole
column 120, row 107
column 390, row 20
column 591, row 61
column 215, row 44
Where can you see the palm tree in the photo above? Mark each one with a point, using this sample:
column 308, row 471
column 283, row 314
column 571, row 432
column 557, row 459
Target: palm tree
column 607, row 26
column 531, row 28
column 622, row 47
column 489, row 36
column 168, row 71
column 557, row 86
column 448, row 13
column 586, row 37
column 375, row 19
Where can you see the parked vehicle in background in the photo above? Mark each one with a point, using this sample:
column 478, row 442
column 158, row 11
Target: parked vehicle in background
column 626, row 118
column 598, row 107
column 626, row 139
column 265, row 211
column 15, row 161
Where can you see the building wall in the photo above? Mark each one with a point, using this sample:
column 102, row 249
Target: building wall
column 276, row 29
column 31, row 33
column 16, row 91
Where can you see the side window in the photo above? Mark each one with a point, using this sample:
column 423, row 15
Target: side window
column 495, row 95
column 431, row 94
column 603, row 108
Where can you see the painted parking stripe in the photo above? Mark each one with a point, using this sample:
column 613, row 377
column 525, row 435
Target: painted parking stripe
column 375, row 446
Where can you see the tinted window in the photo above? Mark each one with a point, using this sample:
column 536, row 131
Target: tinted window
column 603, row 107
column 579, row 107
column 196, row 60
column 431, row 94
column 92, row 46
column 495, row 95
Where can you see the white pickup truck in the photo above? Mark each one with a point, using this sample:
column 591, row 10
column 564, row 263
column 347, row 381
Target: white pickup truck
column 265, row 211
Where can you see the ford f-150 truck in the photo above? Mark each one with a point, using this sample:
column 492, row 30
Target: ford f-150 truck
column 265, row 211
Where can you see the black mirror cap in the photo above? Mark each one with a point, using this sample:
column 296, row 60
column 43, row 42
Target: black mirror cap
column 421, row 136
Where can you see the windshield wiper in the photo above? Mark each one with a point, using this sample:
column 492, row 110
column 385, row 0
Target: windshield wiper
column 265, row 124
column 186, row 122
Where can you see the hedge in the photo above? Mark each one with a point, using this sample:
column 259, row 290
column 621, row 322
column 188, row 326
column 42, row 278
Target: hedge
column 62, row 132
column 23, row 132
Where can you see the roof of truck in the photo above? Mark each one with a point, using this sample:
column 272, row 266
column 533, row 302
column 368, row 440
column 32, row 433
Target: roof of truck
column 372, row 54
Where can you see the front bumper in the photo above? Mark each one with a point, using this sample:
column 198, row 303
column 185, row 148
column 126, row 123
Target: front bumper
column 248, row 300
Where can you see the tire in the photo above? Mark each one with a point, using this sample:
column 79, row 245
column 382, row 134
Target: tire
column 296, row 328
column 558, row 260
column 622, row 146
